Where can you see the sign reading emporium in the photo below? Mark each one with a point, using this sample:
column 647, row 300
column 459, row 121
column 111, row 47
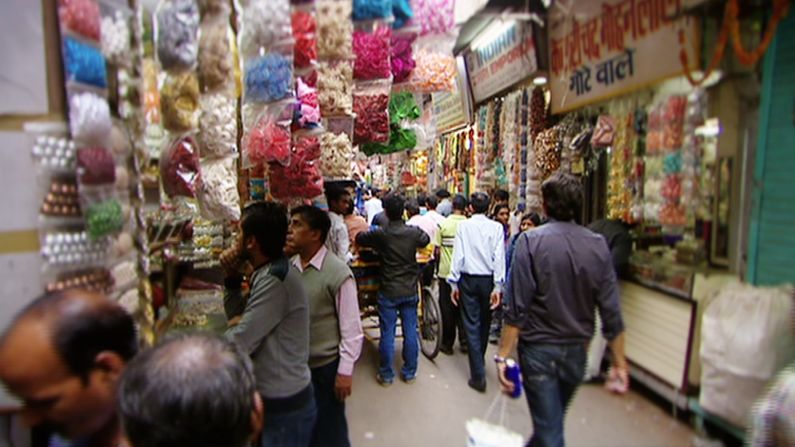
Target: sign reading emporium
column 601, row 49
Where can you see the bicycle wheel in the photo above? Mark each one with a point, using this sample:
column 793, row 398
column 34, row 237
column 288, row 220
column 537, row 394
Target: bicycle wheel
column 430, row 324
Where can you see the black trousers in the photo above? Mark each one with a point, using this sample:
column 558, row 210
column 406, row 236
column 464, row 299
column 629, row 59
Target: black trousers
column 451, row 317
column 331, row 429
column 476, row 315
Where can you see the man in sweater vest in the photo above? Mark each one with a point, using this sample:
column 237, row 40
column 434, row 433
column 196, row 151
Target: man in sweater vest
column 335, row 334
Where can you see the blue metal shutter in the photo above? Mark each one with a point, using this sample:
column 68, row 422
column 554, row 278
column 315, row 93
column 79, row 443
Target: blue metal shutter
column 771, row 251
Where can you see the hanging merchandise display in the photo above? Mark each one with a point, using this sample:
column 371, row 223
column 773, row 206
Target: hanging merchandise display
column 372, row 50
column 177, row 34
column 216, row 62
column 262, row 24
column 336, row 155
column 218, row 196
column 403, row 109
column 302, row 178
column 305, row 34
column 334, row 29
column 433, row 16
column 179, row 167
column 402, row 55
column 335, row 87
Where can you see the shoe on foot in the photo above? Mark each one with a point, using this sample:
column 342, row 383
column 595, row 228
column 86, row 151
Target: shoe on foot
column 382, row 381
column 477, row 385
column 408, row 379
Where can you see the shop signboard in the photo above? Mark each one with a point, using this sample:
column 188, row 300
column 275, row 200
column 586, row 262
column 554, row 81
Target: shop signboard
column 451, row 110
column 509, row 58
column 602, row 49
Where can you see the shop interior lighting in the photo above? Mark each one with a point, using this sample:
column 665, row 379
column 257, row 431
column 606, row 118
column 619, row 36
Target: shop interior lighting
column 540, row 80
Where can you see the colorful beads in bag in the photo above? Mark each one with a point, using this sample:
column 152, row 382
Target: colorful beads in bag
column 307, row 112
column 268, row 78
column 104, row 218
column 177, row 34
column 372, row 118
column 95, row 166
column 304, row 28
column 83, row 63
column 334, row 28
column 89, row 118
column 216, row 63
column 372, row 9
column 218, row 125
column 434, row 72
column 268, row 141
column 219, row 199
column 336, row 154
column 372, row 54
column 80, row 16
column 179, row 168
column 264, row 23
column 402, row 56
column 115, row 37
column 179, row 102
column 433, row 16
column 335, row 84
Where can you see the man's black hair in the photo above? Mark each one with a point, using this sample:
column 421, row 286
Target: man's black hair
column 442, row 193
column 81, row 331
column 431, row 202
column 501, row 194
column 479, row 202
column 562, row 195
column 394, row 204
column 412, row 208
column 315, row 218
column 422, row 199
column 191, row 390
column 334, row 192
column 460, row 202
column 267, row 222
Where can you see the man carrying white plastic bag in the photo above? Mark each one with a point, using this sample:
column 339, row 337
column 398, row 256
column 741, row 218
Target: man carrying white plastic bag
column 561, row 272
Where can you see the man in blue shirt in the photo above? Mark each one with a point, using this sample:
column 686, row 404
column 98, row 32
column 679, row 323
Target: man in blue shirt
column 476, row 276
column 561, row 273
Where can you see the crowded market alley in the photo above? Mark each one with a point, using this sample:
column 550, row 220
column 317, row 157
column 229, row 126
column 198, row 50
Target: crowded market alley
column 388, row 223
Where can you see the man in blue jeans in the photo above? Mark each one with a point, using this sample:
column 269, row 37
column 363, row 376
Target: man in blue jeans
column 561, row 272
column 396, row 244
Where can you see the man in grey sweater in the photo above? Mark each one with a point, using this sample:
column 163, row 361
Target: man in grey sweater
column 273, row 324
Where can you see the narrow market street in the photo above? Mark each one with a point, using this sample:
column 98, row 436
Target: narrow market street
column 433, row 411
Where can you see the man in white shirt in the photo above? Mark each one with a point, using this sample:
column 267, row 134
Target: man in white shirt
column 476, row 276
column 372, row 205
column 431, row 202
column 339, row 200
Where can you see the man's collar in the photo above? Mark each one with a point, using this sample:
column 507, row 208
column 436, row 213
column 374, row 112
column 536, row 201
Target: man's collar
column 480, row 215
column 316, row 261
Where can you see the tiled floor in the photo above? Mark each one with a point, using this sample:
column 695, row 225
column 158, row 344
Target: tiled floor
column 433, row 411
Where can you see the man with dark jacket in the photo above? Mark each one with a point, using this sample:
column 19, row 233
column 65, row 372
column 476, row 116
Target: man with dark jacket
column 397, row 245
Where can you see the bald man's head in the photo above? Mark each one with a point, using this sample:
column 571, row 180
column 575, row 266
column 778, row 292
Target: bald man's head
column 63, row 355
column 196, row 390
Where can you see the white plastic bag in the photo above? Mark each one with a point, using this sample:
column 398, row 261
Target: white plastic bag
column 482, row 433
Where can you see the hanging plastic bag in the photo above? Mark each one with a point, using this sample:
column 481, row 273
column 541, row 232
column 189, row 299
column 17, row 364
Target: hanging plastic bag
column 301, row 179
column 372, row 48
column 433, row 16
column 436, row 69
column 334, row 29
column 307, row 111
column 95, row 166
column 305, row 34
column 402, row 55
column 104, row 218
column 180, row 171
column 177, row 34
column 269, row 78
column 218, row 198
column 81, row 17
column 268, row 140
column 372, row 9
column 335, row 87
column 116, row 36
column 336, row 155
column 216, row 61
column 371, row 106
column 218, row 125
column 179, row 102
column 89, row 118
column 263, row 24
column 84, row 63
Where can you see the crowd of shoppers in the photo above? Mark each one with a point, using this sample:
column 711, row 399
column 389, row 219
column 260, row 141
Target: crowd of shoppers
column 281, row 375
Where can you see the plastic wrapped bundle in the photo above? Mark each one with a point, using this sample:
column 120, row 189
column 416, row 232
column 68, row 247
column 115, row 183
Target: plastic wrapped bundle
column 268, row 78
column 89, row 119
column 334, row 28
column 434, row 72
column 307, row 113
column 263, row 24
column 335, row 84
column 433, row 16
column 372, row 54
column 216, row 62
column 305, row 34
column 180, row 171
column 179, row 102
column 115, row 37
column 104, row 218
column 218, row 197
column 402, row 56
column 372, row 9
column 336, row 155
column 218, row 125
column 177, row 34
column 372, row 118
column 81, row 17
column 83, row 63
column 268, row 141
